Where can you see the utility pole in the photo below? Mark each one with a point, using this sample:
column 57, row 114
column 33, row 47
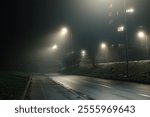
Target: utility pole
column 126, row 39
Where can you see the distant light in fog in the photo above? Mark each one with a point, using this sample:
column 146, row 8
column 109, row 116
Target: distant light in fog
column 83, row 53
column 54, row 47
column 130, row 10
column 103, row 45
column 64, row 30
column 120, row 29
column 141, row 34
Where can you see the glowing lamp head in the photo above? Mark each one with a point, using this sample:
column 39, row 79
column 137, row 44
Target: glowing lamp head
column 131, row 10
column 64, row 31
column 83, row 52
column 141, row 34
column 120, row 29
column 54, row 47
column 103, row 45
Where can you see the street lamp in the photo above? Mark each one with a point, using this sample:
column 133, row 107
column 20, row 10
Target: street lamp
column 104, row 50
column 120, row 29
column 142, row 35
column 130, row 10
column 64, row 30
column 83, row 53
column 54, row 47
column 127, row 11
column 103, row 46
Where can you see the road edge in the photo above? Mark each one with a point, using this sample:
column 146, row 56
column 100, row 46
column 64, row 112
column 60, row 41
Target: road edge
column 26, row 89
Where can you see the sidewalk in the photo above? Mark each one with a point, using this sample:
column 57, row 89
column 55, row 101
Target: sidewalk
column 42, row 88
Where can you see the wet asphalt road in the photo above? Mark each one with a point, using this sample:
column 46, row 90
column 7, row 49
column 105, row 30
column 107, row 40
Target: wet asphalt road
column 101, row 89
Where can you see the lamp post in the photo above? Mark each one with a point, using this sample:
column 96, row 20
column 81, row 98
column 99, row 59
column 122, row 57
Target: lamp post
column 129, row 11
column 126, row 39
column 64, row 31
column 123, row 28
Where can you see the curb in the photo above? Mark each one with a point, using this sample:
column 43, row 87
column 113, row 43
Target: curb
column 78, row 95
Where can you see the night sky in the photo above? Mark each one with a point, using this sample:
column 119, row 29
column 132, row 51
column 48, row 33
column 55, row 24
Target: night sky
column 26, row 23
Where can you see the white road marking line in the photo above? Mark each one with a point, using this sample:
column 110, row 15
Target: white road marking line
column 144, row 95
column 105, row 86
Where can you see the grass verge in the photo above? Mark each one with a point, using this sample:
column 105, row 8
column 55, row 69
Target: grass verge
column 12, row 85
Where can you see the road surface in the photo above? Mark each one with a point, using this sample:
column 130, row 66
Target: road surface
column 101, row 89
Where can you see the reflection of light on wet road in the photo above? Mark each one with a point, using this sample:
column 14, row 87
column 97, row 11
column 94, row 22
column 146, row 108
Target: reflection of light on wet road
column 103, row 89
column 105, row 86
column 145, row 95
